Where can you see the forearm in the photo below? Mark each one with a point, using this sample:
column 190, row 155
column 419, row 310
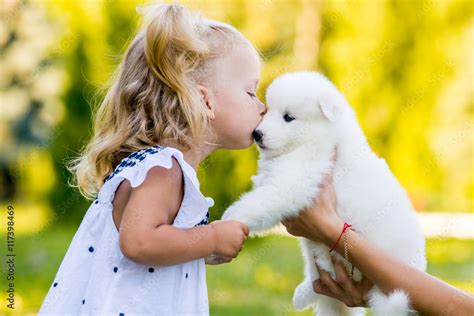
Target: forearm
column 428, row 295
column 168, row 245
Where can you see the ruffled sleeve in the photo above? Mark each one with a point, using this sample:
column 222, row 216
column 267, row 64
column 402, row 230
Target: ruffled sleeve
column 135, row 168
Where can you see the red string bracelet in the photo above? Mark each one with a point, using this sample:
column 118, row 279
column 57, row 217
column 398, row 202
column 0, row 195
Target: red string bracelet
column 346, row 226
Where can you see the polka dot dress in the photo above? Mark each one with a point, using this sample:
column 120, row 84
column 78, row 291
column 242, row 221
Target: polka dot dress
column 95, row 278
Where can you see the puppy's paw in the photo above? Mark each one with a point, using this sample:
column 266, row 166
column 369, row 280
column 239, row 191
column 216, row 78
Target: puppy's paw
column 304, row 295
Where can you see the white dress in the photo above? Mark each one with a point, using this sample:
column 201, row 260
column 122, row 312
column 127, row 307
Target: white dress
column 95, row 278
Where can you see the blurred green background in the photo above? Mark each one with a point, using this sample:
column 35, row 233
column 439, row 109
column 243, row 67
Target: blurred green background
column 403, row 65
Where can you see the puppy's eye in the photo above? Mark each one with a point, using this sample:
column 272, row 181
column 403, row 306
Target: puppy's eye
column 288, row 118
column 252, row 95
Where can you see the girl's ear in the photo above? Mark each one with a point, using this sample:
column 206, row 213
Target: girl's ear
column 208, row 100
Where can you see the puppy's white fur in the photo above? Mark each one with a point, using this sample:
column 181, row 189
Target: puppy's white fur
column 295, row 157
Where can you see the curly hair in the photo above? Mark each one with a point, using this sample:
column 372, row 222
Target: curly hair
column 153, row 97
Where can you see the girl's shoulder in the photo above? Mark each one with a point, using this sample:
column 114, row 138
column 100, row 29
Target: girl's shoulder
column 134, row 159
column 136, row 166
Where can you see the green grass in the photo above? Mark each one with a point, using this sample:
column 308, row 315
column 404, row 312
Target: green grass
column 259, row 282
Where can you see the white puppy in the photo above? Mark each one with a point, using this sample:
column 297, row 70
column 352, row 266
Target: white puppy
column 307, row 118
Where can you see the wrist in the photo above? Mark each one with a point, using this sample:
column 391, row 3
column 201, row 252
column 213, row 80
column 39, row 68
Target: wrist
column 331, row 230
column 213, row 239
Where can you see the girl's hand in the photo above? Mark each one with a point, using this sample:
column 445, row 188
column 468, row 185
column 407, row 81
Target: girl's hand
column 229, row 237
column 353, row 294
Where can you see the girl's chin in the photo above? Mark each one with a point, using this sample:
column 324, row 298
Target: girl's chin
column 241, row 143
column 235, row 146
column 245, row 144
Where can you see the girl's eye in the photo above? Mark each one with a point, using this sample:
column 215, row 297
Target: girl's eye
column 252, row 95
column 288, row 118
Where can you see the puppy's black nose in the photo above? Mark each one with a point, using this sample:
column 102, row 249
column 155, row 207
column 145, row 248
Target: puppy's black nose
column 257, row 135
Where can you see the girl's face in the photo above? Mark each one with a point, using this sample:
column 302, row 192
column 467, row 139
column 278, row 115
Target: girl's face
column 236, row 109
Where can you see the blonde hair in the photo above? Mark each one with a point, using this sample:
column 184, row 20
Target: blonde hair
column 153, row 98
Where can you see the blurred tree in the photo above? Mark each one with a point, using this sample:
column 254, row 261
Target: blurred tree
column 404, row 66
column 30, row 86
column 394, row 62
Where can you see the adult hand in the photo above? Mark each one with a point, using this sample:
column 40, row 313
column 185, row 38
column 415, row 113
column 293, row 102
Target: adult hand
column 353, row 294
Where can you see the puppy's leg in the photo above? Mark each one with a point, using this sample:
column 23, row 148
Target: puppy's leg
column 304, row 295
column 260, row 208
column 328, row 306
column 266, row 205
column 287, row 189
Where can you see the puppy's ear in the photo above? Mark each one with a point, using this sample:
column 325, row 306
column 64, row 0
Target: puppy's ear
column 332, row 105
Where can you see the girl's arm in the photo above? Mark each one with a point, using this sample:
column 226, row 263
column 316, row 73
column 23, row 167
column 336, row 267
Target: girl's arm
column 168, row 245
column 428, row 295
column 146, row 234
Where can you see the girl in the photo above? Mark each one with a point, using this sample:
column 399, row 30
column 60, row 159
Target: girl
column 185, row 87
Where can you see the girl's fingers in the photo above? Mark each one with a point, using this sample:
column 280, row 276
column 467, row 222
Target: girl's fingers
column 215, row 260
column 347, row 284
column 225, row 260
